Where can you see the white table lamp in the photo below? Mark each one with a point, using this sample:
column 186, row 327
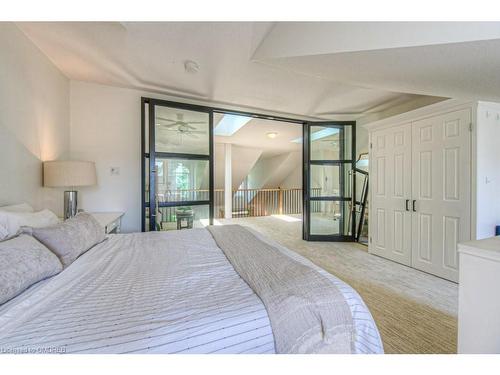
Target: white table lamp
column 69, row 174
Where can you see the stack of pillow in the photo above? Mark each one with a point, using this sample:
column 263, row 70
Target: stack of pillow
column 13, row 218
column 37, row 245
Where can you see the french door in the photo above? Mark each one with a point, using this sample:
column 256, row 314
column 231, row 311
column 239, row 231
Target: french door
column 391, row 197
column 329, row 181
column 441, row 175
column 421, row 201
column 178, row 163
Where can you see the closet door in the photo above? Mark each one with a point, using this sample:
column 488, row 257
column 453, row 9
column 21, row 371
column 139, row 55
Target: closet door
column 441, row 190
column 391, row 193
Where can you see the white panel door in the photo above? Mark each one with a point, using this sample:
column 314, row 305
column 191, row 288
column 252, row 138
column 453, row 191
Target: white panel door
column 391, row 194
column 441, row 190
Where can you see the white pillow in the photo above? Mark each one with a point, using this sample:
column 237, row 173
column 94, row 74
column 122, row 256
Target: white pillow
column 23, row 262
column 11, row 222
column 21, row 207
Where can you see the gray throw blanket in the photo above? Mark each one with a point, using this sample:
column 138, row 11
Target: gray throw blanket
column 308, row 313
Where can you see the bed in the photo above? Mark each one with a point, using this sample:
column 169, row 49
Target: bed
column 157, row 292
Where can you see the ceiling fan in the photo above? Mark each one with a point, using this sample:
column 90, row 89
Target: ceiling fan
column 181, row 126
column 332, row 142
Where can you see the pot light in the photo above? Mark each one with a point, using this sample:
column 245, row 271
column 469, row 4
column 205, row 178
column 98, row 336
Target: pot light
column 272, row 135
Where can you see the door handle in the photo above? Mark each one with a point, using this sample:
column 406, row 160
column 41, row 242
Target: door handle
column 353, row 193
column 413, row 205
column 406, row 205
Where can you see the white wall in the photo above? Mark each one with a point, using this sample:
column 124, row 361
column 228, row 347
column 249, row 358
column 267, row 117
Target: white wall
column 294, row 179
column 34, row 120
column 271, row 172
column 243, row 159
column 106, row 129
column 488, row 169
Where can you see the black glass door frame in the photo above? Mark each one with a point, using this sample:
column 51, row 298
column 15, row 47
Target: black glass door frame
column 147, row 119
column 149, row 154
column 307, row 197
column 150, row 201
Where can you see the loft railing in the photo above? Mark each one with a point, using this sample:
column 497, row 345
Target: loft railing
column 246, row 202
column 261, row 202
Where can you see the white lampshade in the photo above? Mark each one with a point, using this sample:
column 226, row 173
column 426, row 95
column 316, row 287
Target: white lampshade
column 69, row 173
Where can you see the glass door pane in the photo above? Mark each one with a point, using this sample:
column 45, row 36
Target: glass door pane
column 330, row 142
column 181, row 131
column 328, row 181
column 180, row 166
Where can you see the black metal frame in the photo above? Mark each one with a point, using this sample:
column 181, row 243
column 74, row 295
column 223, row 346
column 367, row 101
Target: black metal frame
column 306, row 180
column 150, row 102
column 362, row 203
column 152, row 154
column 144, row 155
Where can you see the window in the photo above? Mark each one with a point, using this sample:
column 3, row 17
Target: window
column 181, row 177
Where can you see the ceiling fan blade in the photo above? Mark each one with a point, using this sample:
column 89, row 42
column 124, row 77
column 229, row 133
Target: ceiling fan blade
column 190, row 134
column 165, row 119
column 196, row 132
column 187, row 126
column 168, row 125
column 197, row 122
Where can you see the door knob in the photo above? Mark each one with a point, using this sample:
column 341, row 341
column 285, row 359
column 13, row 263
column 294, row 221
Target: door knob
column 413, row 205
column 406, row 205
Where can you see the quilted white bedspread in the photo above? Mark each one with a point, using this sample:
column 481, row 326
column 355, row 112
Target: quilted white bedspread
column 169, row 292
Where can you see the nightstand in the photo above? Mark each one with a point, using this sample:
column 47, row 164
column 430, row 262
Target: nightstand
column 111, row 221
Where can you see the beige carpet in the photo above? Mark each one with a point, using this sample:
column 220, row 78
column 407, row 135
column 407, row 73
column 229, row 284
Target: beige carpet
column 415, row 312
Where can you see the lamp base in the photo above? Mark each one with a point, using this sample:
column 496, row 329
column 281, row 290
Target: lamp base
column 70, row 204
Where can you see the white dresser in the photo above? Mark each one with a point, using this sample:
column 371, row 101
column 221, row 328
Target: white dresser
column 479, row 297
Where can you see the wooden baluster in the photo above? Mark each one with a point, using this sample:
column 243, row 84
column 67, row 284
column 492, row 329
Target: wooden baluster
column 236, row 203
column 263, row 198
column 266, row 199
column 247, row 205
column 257, row 203
column 261, row 203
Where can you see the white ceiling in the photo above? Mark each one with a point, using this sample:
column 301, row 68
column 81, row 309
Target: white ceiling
column 151, row 56
column 321, row 70
column 448, row 59
column 254, row 135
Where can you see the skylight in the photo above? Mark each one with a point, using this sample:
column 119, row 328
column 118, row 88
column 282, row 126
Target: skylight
column 230, row 124
column 319, row 134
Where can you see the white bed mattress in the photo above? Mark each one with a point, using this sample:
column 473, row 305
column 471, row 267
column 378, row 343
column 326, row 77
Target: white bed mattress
column 169, row 292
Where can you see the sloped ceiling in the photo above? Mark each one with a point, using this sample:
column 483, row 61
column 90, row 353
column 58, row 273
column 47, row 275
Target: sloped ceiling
column 234, row 65
column 448, row 59
column 320, row 70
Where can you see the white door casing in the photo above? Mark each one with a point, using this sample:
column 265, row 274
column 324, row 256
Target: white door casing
column 391, row 193
column 441, row 173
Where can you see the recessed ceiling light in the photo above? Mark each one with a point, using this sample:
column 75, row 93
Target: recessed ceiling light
column 272, row 135
column 191, row 66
